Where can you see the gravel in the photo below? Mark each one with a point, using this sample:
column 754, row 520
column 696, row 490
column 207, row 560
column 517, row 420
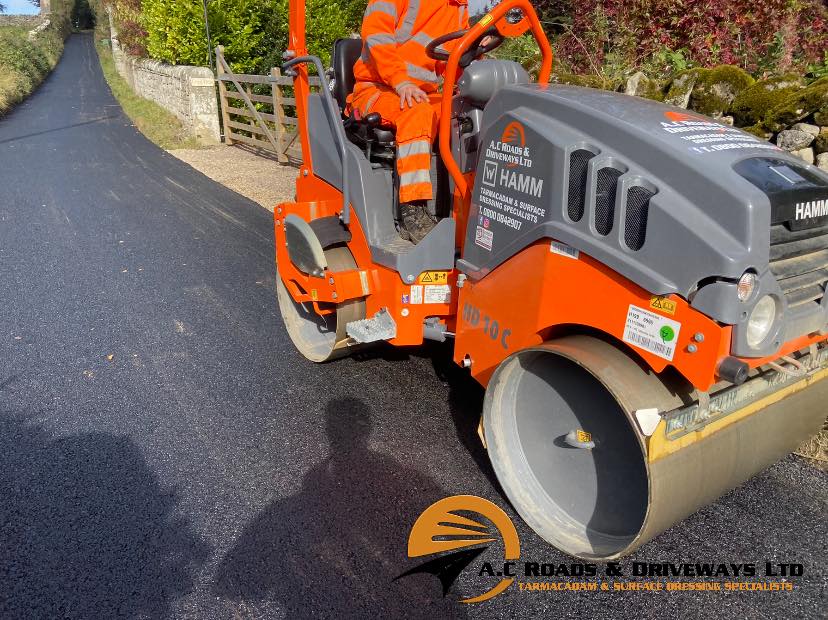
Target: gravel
column 253, row 174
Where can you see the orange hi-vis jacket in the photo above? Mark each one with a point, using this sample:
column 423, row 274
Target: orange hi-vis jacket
column 395, row 34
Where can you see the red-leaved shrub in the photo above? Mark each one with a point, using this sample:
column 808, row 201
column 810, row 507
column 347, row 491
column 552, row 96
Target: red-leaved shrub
column 759, row 35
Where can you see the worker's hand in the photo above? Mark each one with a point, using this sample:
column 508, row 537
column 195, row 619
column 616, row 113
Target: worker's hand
column 410, row 95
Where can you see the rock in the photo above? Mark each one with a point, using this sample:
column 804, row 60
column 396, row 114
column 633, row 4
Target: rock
column 807, row 155
column 798, row 106
column 752, row 104
column 634, row 83
column 821, row 117
column 821, row 143
column 811, row 129
column 793, row 139
column 639, row 85
column 680, row 89
column 822, row 161
column 717, row 88
column 726, row 120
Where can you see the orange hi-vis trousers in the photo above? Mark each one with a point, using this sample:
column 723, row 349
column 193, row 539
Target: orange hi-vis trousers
column 416, row 129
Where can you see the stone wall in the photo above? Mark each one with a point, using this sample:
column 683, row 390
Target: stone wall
column 23, row 21
column 187, row 92
column 789, row 110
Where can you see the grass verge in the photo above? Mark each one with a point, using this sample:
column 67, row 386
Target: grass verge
column 158, row 125
column 24, row 64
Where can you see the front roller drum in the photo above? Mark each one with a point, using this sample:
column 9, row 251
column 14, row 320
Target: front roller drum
column 321, row 337
column 603, row 496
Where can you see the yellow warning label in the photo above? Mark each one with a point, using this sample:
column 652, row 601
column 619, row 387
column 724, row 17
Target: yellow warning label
column 433, row 277
column 583, row 436
column 662, row 303
column 314, row 295
column 486, row 19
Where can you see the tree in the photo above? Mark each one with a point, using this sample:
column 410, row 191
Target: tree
column 2, row 8
column 82, row 16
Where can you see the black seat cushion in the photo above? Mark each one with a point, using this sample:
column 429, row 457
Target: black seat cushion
column 346, row 53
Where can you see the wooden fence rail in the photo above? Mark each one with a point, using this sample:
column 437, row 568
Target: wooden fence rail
column 253, row 110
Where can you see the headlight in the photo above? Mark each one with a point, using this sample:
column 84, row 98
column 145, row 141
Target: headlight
column 746, row 285
column 761, row 321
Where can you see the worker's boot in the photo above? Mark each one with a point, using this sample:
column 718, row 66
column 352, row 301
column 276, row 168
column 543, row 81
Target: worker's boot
column 415, row 221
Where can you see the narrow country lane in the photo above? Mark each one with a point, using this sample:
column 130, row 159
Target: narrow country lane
column 164, row 451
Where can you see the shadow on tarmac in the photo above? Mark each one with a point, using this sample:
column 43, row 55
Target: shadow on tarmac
column 85, row 529
column 319, row 555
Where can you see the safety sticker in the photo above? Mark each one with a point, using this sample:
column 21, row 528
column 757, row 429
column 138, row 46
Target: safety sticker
column 433, row 277
column 437, row 294
column 564, row 250
column 483, row 237
column 658, row 302
column 652, row 332
column 416, row 294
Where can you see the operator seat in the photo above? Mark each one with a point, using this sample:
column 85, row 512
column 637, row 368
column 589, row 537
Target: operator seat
column 367, row 131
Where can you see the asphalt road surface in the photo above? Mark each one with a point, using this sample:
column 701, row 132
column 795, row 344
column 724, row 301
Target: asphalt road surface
column 164, row 451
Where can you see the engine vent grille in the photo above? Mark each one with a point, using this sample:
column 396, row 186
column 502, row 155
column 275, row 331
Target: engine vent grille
column 605, row 199
column 576, row 200
column 638, row 208
column 799, row 260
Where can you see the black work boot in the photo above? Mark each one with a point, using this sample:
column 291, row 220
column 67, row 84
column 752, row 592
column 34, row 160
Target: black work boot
column 415, row 221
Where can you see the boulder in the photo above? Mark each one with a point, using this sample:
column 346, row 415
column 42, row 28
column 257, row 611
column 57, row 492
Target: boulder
column 726, row 120
column 752, row 104
column 680, row 89
column 811, row 129
column 806, row 155
column 822, row 161
column 793, row 139
column 716, row 89
column 798, row 106
column 821, row 143
column 639, row 85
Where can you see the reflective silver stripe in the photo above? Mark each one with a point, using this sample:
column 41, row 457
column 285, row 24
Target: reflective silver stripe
column 379, row 39
column 418, row 147
column 412, row 178
column 422, row 38
column 407, row 27
column 462, row 13
column 371, row 102
column 418, row 73
column 389, row 8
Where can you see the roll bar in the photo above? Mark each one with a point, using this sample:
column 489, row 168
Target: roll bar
column 497, row 16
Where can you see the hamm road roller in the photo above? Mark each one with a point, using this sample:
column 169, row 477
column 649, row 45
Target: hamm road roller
column 641, row 290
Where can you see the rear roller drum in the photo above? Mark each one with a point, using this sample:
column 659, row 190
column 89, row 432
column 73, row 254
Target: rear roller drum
column 321, row 338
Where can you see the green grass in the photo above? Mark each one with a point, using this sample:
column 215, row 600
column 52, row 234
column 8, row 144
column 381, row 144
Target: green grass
column 156, row 123
column 25, row 64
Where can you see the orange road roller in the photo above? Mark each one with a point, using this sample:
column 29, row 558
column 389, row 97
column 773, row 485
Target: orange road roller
column 641, row 290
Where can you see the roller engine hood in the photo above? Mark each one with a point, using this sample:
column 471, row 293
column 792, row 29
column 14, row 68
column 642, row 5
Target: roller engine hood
column 666, row 197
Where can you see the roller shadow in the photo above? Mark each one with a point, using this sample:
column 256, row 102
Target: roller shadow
column 318, row 555
column 85, row 529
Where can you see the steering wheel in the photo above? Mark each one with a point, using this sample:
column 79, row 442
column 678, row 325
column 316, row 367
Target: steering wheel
column 434, row 51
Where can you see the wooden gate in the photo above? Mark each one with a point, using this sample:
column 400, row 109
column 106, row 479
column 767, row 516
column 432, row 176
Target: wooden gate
column 253, row 110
